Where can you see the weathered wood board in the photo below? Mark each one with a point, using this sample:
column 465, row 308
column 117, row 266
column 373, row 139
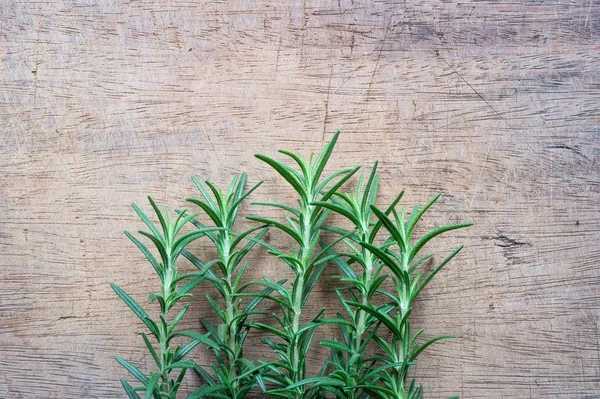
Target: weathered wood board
column 494, row 104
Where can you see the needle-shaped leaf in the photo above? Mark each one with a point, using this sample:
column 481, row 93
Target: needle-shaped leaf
column 182, row 220
column 389, row 225
column 159, row 246
column 421, row 348
column 137, row 309
column 190, row 285
column 151, row 350
column 415, row 216
column 288, row 208
column 384, row 257
column 379, row 223
column 245, row 234
column 206, row 391
column 333, row 189
column 427, row 237
column 185, row 239
column 317, row 381
column 179, row 316
column 416, row 263
column 212, row 213
column 434, row 272
column 347, row 213
column 203, row 267
column 134, row 371
column 205, row 194
column 286, row 229
column 336, row 345
column 321, row 187
column 216, row 308
column 182, row 364
column 299, row 161
column 269, row 329
column 376, row 391
column 375, row 285
column 161, row 217
column 323, row 157
column 217, row 195
column 151, row 385
column 198, row 337
column 368, row 195
column 343, row 265
column 131, row 393
column 381, row 316
column 287, row 173
column 264, row 293
column 146, row 221
column 147, row 254
column 180, row 354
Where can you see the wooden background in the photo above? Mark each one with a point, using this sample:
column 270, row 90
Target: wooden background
column 494, row 104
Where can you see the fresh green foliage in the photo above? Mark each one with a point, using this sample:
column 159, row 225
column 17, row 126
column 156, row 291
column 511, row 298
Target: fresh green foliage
column 235, row 375
column 303, row 224
column 382, row 274
column 400, row 257
column 383, row 376
column 350, row 367
column 169, row 241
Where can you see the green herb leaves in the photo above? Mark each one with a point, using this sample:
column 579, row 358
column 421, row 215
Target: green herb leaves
column 169, row 242
column 294, row 335
column 235, row 375
column 381, row 275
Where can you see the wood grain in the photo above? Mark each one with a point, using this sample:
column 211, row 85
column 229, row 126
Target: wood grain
column 494, row 104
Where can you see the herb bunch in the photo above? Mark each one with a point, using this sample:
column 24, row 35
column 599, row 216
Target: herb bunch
column 382, row 275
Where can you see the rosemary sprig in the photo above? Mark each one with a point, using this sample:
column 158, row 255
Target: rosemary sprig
column 350, row 368
column 236, row 375
column 400, row 257
column 294, row 335
column 352, row 375
column 169, row 242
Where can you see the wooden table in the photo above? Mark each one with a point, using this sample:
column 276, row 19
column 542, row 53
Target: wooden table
column 494, row 104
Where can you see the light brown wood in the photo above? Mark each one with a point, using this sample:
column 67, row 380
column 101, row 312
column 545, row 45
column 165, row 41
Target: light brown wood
column 495, row 105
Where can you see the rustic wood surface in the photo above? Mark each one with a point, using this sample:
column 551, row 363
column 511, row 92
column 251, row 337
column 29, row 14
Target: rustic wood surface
column 494, row 104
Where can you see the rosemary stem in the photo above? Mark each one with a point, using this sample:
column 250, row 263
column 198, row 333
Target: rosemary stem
column 229, row 301
column 299, row 289
column 164, row 345
column 360, row 327
column 296, row 327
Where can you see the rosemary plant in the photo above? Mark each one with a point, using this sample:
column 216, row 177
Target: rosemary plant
column 351, row 371
column 235, row 375
column 294, row 333
column 400, row 256
column 381, row 376
column 169, row 243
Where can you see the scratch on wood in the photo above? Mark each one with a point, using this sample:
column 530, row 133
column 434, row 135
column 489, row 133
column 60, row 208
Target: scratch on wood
column 327, row 103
